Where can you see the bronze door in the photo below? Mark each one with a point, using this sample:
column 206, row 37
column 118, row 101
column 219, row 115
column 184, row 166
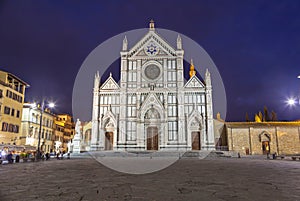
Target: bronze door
column 152, row 138
column 196, row 141
column 109, row 139
column 266, row 147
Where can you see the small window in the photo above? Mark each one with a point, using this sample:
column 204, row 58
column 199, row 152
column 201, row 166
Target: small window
column 16, row 129
column 18, row 113
column 4, row 126
column 12, row 112
column 6, row 110
column 10, row 128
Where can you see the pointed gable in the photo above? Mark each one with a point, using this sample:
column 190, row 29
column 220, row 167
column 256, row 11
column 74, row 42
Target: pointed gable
column 151, row 99
column 152, row 38
column 110, row 84
column 194, row 82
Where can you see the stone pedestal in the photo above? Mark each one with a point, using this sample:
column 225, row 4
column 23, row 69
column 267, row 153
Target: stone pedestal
column 76, row 143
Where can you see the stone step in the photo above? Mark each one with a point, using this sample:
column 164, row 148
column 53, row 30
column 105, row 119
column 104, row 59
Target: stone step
column 179, row 154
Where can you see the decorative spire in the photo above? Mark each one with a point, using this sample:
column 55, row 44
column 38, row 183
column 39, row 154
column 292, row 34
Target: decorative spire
column 179, row 43
column 110, row 74
column 192, row 69
column 207, row 78
column 125, row 44
column 151, row 25
column 97, row 80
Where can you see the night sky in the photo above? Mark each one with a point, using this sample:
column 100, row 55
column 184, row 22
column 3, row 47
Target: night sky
column 254, row 44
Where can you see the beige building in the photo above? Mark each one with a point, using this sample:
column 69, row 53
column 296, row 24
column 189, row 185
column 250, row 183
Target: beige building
column 59, row 135
column 86, row 136
column 66, row 121
column 252, row 138
column 12, row 93
column 31, row 126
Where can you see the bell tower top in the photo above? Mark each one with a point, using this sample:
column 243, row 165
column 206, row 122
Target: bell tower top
column 151, row 25
column 192, row 69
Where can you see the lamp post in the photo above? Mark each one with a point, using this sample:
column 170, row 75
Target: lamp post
column 50, row 105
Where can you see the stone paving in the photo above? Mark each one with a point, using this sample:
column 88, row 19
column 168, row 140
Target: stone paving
column 187, row 179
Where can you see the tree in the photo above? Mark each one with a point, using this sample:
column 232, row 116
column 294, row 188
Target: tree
column 260, row 115
column 273, row 116
column 247, row 117
column 266, row 114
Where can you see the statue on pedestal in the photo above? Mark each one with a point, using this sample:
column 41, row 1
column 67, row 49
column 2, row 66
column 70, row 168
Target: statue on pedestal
column 77, row 137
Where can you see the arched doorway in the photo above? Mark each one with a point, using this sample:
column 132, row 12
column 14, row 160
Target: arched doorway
column 109, row 139
column 196, row 143
column 265, row 138
column 109, row 135
column 152, row 138
column 195, row 130
column 152, row 120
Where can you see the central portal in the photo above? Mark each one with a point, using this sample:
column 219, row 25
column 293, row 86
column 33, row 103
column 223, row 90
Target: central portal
column 152, row 138
column 196, row 144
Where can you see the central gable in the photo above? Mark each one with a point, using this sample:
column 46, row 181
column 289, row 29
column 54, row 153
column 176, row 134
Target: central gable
column 151, row 45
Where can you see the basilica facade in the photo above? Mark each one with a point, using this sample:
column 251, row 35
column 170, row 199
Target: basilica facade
column 152, row 107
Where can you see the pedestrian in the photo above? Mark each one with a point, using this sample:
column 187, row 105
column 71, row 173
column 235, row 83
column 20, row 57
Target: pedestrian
column 57, row 155
column 47, row 156
column 3, row 155
column 239, row 155
column 9, row 157
column 68, row 155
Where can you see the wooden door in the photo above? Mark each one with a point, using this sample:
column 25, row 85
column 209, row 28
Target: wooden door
column 109, row 139
column 196, row 145
column 152, row 138
column 265, row 147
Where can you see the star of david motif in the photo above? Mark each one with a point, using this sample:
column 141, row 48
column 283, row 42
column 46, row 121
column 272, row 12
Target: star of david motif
column 151, row 49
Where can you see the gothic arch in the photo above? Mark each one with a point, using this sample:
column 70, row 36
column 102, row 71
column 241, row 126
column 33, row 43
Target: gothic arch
column 195, row 120
column 264, row 136
column 108, row 120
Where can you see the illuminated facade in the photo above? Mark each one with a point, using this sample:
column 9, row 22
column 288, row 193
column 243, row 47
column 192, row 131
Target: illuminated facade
column 30, row 128
column 66, row 121
column 12, row 93
column 152, row 107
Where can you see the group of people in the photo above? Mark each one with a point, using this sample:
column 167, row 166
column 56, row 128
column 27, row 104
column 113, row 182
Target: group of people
column 60, row 155
column 8, row 156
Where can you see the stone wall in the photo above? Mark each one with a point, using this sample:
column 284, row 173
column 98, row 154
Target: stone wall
column 247, row 137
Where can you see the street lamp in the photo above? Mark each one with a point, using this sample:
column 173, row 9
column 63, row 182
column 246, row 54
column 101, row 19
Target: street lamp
column 50, row 105
column 291, row 102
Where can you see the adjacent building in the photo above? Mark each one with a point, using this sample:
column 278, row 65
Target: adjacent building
column 282, row 138
column 30, row 128
column 152, row 107
column 66, row 121
column 12, row 93
column 56, row 131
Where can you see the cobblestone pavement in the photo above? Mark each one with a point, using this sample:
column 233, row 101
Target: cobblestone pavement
column 187, row 179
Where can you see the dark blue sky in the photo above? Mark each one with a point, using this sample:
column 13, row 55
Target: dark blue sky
column 254, row 44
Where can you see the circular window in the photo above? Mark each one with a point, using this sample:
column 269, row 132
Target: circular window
column 152, row 72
